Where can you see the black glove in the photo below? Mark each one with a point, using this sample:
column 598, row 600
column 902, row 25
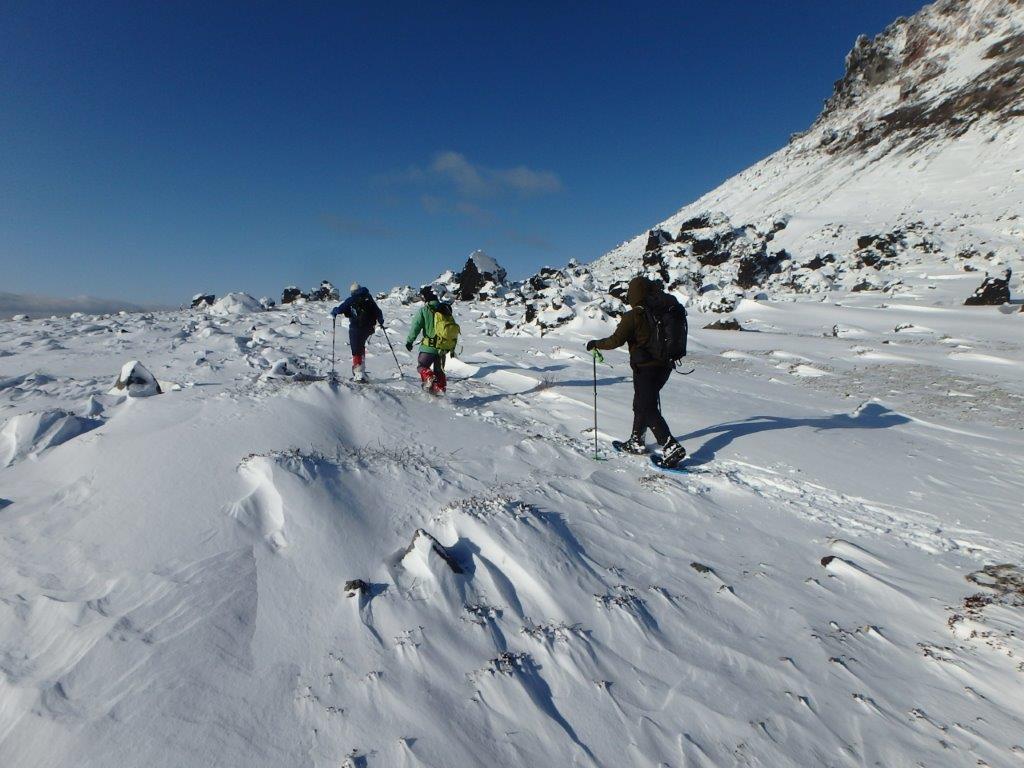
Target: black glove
column 408, row 345
column 591, row 345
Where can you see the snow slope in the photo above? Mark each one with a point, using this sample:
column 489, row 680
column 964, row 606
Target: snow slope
column 173, row 570
column 923, row 137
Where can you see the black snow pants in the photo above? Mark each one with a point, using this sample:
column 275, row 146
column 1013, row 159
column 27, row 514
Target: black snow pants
column 647, row 384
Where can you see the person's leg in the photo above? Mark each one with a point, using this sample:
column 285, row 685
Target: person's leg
column 357, row 340
column 645, row 402
column 672, row 452
column 440, row 379
column 655, row 420
column 424, row 364
column 639, row 405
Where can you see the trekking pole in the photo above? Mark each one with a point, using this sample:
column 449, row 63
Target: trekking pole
column 388, row 339
column 334, row 335
column 596, row 354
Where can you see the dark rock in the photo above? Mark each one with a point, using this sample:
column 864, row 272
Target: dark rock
column 619, row 290
column 290, row 294
column 710, row 252
column 756, row 267
column 201, row 300
column 469, row 281
column 992, row 292
column 703, row 247
column 697, row 222
column 657, row 238
column 531, row 313
column 730, row 324
column 356, row 587
column 820, row 261
column 652, row 259
column 325, row 292
column 869, row 259
column 701, row 568
column 865, row 241
column 864, row 285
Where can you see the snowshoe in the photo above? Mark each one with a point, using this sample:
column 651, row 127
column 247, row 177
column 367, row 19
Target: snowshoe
column 634, row 445
column 671, row 455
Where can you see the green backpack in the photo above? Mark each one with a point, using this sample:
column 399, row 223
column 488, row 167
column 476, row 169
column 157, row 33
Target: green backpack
column 446, row 330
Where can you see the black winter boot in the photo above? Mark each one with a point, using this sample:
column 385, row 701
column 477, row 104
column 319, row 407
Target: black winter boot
column 672, row 453
column 635, row 444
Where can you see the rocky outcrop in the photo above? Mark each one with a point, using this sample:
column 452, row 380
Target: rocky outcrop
column 657, row 238
column 292, row 294
column 725, row 324
column 908, row 74
column 480, row 277
column 203, row 300
column 324, row 292
column 993, row 291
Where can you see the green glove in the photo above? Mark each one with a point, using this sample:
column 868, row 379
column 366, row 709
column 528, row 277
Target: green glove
column 597, row 354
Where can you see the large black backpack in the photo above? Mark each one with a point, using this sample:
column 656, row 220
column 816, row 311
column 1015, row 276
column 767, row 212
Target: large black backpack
column 666, row 319
column 363, row 312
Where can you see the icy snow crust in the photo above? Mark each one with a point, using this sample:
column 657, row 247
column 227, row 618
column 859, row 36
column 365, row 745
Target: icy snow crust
column 173, row 568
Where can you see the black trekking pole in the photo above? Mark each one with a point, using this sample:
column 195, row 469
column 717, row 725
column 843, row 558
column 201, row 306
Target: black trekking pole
column 334, row 335
column 388, row 339
column 596, row 354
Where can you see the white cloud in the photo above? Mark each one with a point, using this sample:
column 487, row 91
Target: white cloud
column 470, row 180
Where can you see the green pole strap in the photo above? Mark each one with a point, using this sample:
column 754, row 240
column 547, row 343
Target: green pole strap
column 598, row 357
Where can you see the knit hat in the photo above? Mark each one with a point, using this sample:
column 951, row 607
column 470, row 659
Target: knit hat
column 427, row 293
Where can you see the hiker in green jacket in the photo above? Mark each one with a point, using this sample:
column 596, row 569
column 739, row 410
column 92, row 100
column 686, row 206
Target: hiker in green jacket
column 430, row 362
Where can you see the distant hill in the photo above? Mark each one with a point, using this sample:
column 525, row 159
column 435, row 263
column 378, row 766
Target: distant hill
column 44, row 306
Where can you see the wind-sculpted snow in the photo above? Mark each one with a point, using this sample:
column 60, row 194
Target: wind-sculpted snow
column 260, row 569
column 27, row 434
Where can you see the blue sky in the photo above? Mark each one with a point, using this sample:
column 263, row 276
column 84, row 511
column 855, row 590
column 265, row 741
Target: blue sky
column 153, row 150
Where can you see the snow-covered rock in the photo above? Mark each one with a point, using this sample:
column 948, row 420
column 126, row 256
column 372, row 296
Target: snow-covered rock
column 292, row 295
column 236, row 304
column 324, row 292
column 203, row 300
column 480, row 277
column 135, row 380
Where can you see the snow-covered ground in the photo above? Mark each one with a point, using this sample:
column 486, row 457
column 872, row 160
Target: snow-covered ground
column 172, row 568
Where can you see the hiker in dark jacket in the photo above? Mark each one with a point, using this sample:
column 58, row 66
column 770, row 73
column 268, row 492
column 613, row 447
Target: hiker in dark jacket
column 430, row 362
column 649, row 374
column 363, row 316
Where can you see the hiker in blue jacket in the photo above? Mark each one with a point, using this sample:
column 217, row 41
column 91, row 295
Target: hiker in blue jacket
column 363, row 316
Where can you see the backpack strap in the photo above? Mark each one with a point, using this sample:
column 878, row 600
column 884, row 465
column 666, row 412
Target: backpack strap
column 430, row 340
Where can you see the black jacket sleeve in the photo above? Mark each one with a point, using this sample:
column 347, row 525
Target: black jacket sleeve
column 623, row 333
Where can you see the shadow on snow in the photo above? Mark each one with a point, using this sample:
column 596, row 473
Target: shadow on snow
column 872, row 416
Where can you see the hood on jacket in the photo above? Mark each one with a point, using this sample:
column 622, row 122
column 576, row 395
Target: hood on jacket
column 639, row 289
